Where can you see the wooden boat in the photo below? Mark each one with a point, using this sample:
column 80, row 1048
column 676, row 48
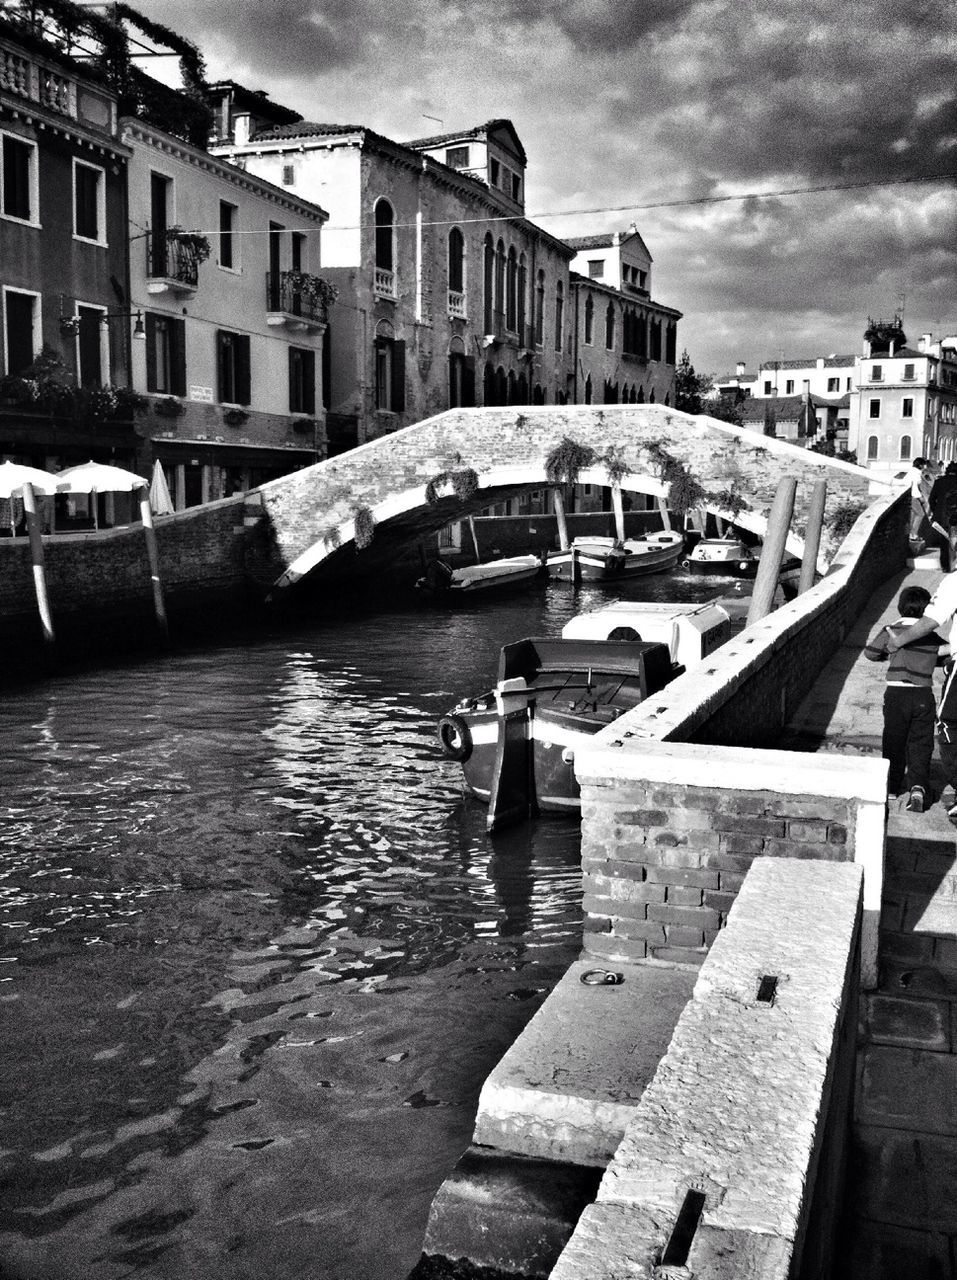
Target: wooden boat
column 732, row 558
column 605, row 559
column 511, row 571
column 516, row 743
column 691, row 631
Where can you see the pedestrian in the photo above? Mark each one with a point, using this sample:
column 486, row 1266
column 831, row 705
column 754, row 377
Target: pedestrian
column 921, row 482
column 943, row 510
column 909, row 707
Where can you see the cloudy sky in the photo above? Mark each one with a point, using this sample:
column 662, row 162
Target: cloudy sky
column 627, row 104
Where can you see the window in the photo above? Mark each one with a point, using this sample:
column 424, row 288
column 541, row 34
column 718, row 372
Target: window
column 871, row 448
column 656, row 339
column 610, row 328
column 833, row 385
column 232, row 367
column 848, row 387
column 540, row 310
column 165, row 354
column 302, row 380
column 511, row 292
column 767, row 388
column 874, row 409
column 384, row 236
column 516, row 188
column 494, row 169
column 21, row 328
column 389, row 375
column 642, row 278
column 456, row 261
column 909, row 373
column 596, row 268
column 588, row 391
column 522, row 291
column 461, row 380
column 227, row 234
column 92, row 346
column 88, row 202
column 877, row 373
column 789, row 387
column 457, row 157
column 589, row 324
column 559, row 314
column 488, row 273
column 19, row 179
column 289, row 175
column 905, row 448
column 907, row 407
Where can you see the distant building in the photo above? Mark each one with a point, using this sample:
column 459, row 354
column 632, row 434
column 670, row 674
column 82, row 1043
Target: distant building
column 224, row 270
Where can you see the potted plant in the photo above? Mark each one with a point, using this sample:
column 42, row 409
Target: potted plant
column 235, row 417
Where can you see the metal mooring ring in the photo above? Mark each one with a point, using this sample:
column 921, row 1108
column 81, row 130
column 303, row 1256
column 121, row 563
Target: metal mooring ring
column 602, row 978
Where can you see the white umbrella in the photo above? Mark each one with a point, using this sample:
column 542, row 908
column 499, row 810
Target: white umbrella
column 14, row 475
column 16, row 478
column 160, row 499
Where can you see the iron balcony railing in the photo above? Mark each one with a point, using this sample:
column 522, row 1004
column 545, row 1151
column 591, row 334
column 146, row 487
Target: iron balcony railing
column 168, row 258
column 291, row 293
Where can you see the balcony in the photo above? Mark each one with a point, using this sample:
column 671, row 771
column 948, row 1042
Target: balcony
column 297, row 300
column 457, row 304
column 383, row 283
column 38, row 81
column 172, row 262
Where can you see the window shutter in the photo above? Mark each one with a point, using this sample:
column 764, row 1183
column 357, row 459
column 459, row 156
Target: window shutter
column 222, row 365
column 398, row 377
column 243, row 373
column 150, row 351
column 309, row 382
column 177, row 356
column 468, row 381
column 293, row 363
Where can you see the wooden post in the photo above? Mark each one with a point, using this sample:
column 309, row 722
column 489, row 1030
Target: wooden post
column 663, row 511
column 619, row 509
column 812, row 538
column 36, row 557
column 772, row 553
column 478, row 558
column 558, row 503
column 152, row 552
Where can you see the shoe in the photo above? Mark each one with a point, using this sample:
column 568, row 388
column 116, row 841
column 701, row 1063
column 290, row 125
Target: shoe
column 915, row 801
column 952, row 814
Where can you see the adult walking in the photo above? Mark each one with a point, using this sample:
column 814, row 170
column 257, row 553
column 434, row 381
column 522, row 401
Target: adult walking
column 943, row 510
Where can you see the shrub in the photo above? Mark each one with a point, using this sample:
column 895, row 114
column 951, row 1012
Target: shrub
column 364, row 526
column 567, row 460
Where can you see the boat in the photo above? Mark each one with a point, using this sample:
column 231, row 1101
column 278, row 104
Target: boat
column 517, row 741
column 441, row 580
column 605, row 559
column 731, row 557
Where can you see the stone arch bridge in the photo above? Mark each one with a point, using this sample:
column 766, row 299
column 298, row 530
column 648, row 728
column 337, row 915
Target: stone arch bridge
column 316, row 522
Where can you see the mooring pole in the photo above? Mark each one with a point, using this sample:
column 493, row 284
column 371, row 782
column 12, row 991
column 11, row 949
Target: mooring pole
column 663, row 512
column 36, row 557
column 152, row 552
column 772, row 553
column 558, row 503
column 812, row 537
column 619, row 509
column 478, row 558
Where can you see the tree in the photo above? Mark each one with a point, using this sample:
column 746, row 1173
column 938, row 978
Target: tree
column 693, row 394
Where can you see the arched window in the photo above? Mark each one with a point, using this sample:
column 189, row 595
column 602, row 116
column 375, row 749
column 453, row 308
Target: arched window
column 559, row 315
column 538, row 395
column 488, row 273
column 512, row 396
column 905, row 448
column 671, row 342
column 384, row 236
column 522, row 390
column 501, row 386
column 522, row 306
column 540, row 313
column 656, row 339
column 610, row 330
column 641, row 396
column 641, row 337
column 461, row 375
column 499, row 289
column 488, row 385
column 511, row 292
column 589, row 324
column 651, row 398
column 871, row 448
column 456, row 261
column 588, row 389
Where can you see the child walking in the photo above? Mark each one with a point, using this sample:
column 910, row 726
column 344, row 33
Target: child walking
column 909, row 707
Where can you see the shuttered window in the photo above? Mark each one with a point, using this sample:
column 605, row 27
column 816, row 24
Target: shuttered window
column 19, row 161
column 302, row 380
column 86, row 201
column 165, row 354
column 232, row 365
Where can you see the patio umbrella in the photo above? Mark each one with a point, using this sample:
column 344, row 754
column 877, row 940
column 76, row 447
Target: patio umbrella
column 160, row 499
column 16, row 478
column 97, row 477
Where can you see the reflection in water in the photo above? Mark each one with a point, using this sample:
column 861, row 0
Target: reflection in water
column 257, row 954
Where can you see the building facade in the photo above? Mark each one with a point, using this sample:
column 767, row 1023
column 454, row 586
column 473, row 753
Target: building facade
column 223, row 269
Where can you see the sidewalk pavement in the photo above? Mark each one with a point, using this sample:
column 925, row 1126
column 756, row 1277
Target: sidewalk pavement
column 902, row 1176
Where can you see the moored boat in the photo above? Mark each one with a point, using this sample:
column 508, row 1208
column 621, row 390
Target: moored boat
column 733, row 558
column 605, row 559
column 511, row 571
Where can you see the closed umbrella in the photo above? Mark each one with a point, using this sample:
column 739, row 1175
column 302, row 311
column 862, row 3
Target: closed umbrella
column 17, row 478
column 97, row 477
column 160, row 498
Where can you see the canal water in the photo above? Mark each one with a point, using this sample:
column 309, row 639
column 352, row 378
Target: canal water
column 257, row 953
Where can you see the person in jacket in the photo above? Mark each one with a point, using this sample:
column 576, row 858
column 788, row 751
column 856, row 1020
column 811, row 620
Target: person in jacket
column 910, row 710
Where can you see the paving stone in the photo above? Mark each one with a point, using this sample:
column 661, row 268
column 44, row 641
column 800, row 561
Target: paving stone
column 907, row 1179
column 934, row 916
column 909, row 1089
column 920, row 1024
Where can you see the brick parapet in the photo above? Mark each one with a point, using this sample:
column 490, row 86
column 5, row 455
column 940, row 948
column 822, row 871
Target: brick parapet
column 750, row 1106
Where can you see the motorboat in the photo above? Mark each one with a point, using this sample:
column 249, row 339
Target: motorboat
column 441, row 580
column 517, row 741
column 731, row 557
column 604, row 559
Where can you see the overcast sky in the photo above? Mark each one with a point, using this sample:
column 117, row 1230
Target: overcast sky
column 628, row 103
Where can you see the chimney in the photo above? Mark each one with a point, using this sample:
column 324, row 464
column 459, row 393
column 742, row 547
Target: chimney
column 819, row 363
column 739, row 369
column 924, row 342
column 806, row 390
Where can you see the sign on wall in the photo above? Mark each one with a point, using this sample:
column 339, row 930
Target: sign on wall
column 201, row 393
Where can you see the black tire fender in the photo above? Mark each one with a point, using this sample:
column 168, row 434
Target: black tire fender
column 455, row 737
